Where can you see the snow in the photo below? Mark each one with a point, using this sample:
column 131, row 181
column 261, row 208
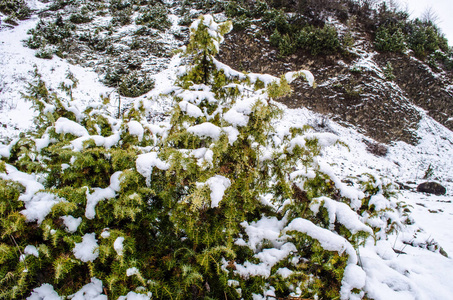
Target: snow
column 134, row 296
column 236, row 118
column 87, row 250
column 284, row 272
column 328, row 240
column 206, row 129
column 232, row 133
column 341, row 212
column 106, row 142
column 218, row 184
column 105, row 234
column 264, row 229
column 146, row 162
column 32, row 186
column 71, row 223
column 291, row 76
column 191, row 109
column 351, row 193
column 40, row 206
column 197, row 96
column 136, row 129
column 44, row 292
column 118, row 245
column 93, row 199
column 64, row 125
column 90, row 291
column 132, row 271
column 353, row 278
column 31, row 250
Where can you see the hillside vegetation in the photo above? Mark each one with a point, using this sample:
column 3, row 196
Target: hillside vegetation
column 221, row 197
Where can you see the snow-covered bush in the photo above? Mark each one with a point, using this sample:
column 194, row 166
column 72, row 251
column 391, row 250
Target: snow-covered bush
column 217, row 205
column 15, row 9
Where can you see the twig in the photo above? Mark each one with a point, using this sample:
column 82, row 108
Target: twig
column 18, row 248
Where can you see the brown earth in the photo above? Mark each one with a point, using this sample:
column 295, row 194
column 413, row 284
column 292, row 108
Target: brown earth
column 382, row 109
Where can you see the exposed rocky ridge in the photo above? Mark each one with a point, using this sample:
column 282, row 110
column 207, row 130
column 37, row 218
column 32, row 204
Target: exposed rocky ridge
column 352, row 88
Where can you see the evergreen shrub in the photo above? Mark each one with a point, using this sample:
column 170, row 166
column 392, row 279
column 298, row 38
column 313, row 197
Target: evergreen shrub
column 216, row 205
column 425, row 39
column 16, row 9
column 319, row 40
column 79, row 18
column 155, row 17
column 390, row 39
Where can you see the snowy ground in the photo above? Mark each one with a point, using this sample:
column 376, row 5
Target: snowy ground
column 417, row 273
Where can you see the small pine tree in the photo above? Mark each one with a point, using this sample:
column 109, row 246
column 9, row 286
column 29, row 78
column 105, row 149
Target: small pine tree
column 220, row 205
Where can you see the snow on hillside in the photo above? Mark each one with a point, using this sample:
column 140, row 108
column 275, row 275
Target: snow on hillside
column 413, row 273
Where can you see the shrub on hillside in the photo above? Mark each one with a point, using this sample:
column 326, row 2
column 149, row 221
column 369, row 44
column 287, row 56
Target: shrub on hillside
column 155, row 17
column 216, row 205
column 16, row 9
column 390, row 39
column 319, row 40
column 425, row 38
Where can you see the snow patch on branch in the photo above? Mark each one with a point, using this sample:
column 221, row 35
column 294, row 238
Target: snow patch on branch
column 64, row 125
column 341, row 212
column 87, row 250
column 146, row 162
column 218, row 184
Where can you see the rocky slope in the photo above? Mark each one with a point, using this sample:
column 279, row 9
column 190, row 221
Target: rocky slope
column 352, row 88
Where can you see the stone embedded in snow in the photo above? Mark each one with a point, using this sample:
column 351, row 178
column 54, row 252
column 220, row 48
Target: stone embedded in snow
column 432, row 188
column 87, row 250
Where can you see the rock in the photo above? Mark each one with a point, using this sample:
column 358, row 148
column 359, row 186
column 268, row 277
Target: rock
column 442, row 251
column 431, row 188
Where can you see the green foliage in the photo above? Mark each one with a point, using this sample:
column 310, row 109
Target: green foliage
column 316, row 41
column 388, row 72
column 57, row 33
column 319, row 40
column 173, row 214
column 425, row 38
column 134, row 85
column 16, row 9
column 44, row 52
column 276, row 90
column 155, row 17
column 129, row 84
column 79, row 18
column 390, row 39
column 202, row 48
